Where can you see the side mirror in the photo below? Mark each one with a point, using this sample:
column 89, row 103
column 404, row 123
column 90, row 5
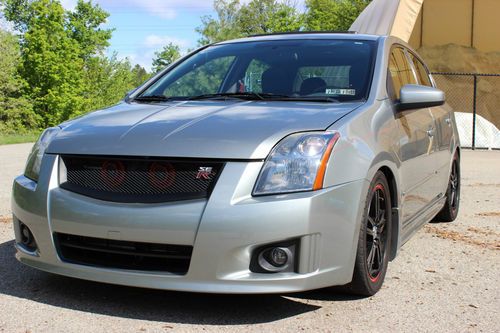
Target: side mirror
column 414, row 96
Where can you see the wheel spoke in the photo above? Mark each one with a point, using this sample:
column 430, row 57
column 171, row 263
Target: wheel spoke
column 371, row 221
column 369, row 232
column 370, row 257
column 379, row 256
column 377, row 203
column 381, row 225
column 380, row 217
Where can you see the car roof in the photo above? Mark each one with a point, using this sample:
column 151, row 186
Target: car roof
column 303, row 35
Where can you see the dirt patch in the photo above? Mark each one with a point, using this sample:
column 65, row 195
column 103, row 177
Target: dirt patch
column 460, row 237
column 5, row 219
column 483, row 232
column 483, row 185
column 489, row 214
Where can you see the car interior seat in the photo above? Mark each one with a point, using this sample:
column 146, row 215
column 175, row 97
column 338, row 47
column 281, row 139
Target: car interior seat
column 277, row 80
column 312, row 85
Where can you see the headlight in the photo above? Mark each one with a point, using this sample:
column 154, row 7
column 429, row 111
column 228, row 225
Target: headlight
column 35, row 158
column 297, row 163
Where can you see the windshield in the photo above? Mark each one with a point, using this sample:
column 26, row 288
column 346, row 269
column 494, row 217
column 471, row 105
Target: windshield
column 323, row 70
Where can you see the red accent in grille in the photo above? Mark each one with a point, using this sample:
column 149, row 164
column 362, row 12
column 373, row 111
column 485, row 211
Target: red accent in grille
column 113, row 173
column 161, row 175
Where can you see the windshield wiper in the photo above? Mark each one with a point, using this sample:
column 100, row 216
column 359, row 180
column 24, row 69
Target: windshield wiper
column 152, row 98
column 240, row 95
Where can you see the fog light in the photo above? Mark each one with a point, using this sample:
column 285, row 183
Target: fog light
column 275, row 259
column 27, row 238
column 278, row 257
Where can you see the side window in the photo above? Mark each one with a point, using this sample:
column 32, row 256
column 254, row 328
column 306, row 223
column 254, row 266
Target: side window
column 421, row 71
column 253, row 76
column 400, row 71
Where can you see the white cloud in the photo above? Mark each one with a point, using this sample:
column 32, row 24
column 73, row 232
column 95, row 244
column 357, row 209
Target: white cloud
column 143, row 59
column 4, row 24
column 167, row 9
column 153, row 41
column 69, row 4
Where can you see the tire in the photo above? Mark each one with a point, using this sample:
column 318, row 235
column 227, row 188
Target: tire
column 374, row 240
column 450, row 210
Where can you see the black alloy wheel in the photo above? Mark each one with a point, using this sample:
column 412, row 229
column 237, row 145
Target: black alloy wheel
column 376, row 233
column 374, row 241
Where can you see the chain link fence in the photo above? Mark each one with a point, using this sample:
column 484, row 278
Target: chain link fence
column 475, row 99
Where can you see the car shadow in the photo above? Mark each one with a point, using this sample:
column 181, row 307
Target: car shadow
column 21, row 281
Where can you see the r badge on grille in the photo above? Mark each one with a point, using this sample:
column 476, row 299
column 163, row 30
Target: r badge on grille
column 204, row 173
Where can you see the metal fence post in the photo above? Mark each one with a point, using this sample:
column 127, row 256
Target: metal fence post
column 474, row 111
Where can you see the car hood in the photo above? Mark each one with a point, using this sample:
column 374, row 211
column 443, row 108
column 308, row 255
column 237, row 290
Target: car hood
column 199, row 129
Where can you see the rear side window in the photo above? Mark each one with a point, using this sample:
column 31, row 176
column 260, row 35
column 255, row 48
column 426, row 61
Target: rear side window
column 421, row 71
column 400, row 71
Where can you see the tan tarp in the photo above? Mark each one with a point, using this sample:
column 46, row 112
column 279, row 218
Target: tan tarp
column 389, row 17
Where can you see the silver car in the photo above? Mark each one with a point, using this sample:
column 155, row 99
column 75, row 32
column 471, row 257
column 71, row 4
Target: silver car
column 269, row 164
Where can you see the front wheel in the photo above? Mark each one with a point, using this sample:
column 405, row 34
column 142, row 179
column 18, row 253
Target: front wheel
column 374, row 240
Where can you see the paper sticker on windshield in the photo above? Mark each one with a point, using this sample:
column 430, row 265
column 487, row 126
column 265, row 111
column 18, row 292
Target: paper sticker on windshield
column 349, row 92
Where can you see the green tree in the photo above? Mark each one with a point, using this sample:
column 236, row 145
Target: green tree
column 108, row 80
column 63, row 61
column 84, row 26
column 332, row 15
column 234, row 19
column 268, row 16
column 223, row 26
column 16, row 112
column 51, row 63
column 166, row 56
column 139, row 75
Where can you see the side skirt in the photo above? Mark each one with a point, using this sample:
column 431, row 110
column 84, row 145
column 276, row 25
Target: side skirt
column 414, row 224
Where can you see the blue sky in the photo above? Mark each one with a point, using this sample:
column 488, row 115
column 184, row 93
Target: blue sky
column 145, row 26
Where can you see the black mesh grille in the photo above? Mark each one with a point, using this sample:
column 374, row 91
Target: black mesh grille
column 142, row 180
column 108, row 253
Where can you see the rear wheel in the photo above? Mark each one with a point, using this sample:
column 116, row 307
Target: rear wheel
column 450, row 210
column 374, row 240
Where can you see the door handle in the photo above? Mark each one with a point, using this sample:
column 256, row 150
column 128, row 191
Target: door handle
column 448, row 121
column 430, row 132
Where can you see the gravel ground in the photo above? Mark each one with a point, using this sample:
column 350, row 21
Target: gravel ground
column 12, row 161
column 445, row 279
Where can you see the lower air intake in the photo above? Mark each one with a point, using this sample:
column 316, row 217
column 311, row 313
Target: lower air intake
column 99, row 252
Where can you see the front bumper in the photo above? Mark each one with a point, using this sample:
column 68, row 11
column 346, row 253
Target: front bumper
column 223, row 231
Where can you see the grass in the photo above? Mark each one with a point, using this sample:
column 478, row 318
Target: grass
column 7, row 139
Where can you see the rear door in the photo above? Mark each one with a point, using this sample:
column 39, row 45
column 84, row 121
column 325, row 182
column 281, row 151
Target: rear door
column 416, row 140
column 443, row 129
